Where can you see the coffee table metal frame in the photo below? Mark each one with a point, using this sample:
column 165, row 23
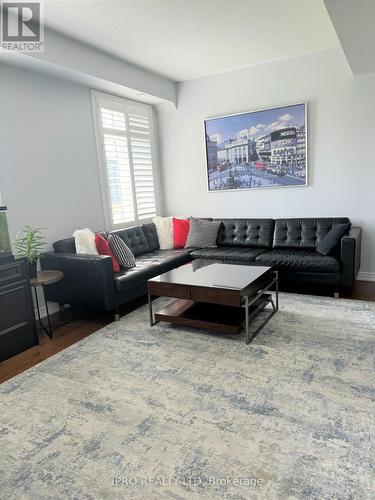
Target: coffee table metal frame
column 247, row 302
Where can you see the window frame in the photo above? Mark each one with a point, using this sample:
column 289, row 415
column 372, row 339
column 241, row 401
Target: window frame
column 101, row 99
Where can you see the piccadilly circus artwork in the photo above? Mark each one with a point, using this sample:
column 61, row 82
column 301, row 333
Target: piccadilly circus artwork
column 258, row 149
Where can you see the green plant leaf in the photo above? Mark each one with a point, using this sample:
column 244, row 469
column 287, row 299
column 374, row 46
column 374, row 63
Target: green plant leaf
column 29, row 242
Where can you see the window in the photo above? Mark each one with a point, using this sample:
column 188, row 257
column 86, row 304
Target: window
column 124, row 132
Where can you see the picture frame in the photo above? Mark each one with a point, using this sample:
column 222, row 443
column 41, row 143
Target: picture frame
column 263, row 148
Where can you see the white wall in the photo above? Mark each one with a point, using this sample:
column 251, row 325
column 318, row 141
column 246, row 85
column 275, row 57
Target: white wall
column 355, row 29
column 48, row 162
column 341, row 142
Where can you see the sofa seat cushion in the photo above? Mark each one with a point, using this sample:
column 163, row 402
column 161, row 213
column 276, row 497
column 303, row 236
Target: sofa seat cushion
column 299, row 260
column 234, row 254
column 136, row 276
column 148, row 266
column 169, row 259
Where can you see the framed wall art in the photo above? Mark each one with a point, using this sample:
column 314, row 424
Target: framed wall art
column 257, row 149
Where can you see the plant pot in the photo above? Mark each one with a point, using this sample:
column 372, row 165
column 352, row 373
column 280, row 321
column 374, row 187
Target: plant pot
column 32, row 269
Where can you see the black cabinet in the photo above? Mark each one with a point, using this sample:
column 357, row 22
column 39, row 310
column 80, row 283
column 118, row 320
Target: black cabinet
column 17, row 319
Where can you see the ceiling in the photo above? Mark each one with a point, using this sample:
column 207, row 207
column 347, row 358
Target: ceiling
column 187, row 39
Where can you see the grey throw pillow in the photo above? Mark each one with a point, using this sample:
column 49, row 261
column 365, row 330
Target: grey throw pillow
column 331, row 239
column 121, row 251
column 202, row 233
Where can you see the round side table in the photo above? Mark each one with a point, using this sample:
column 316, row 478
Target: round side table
column 45, row 278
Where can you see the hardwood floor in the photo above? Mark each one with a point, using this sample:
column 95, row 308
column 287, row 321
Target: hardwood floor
column 63, row 337
column 364, row 290
column 75, row 327
column 84, row 324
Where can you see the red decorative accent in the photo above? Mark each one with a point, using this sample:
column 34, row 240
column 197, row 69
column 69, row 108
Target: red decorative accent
column 181, row 228
column 103, row 248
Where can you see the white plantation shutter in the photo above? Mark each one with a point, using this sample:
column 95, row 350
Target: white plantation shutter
column 119, row 178
column 140, row 142
column 124, row 135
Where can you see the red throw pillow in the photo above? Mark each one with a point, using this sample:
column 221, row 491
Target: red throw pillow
column 103, row 248
column 181, row 228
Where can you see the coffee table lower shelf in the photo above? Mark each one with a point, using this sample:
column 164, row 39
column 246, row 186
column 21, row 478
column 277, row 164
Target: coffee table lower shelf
column 212, row 317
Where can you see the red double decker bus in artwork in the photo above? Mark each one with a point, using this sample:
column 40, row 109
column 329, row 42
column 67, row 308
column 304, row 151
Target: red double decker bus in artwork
column 260, row 165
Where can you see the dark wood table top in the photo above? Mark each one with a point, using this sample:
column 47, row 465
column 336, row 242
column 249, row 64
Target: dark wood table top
column 216, row 275
column 46, row 278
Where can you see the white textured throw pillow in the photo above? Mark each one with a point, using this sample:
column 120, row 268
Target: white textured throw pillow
column 164, row 230
column 85, row 241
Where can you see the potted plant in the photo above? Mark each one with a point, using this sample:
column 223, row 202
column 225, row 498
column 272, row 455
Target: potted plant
column 29, row 243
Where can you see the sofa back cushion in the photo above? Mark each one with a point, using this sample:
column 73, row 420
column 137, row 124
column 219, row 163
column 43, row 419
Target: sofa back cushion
column 303, row 233
column 246, row 232
column 66, row 245
column 151, row 235
column 135, row 239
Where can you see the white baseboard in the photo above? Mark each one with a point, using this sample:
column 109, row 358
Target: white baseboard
column 366, row 276
column 43, row 311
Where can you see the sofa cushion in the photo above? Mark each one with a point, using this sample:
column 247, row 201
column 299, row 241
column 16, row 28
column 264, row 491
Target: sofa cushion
column 169, row 259
column 327, row 244
column 151, row 236
column 299, row 260
column 202, row 233
column 66, row 245
column 136, row 276
column 181, row 228
column 135, row 239
column 303, row 233
column 164, row 230
column 85, row 241
column 150, row 265
column 246, row 232
column 233, row 254
column 103, row 248
column 121, row 251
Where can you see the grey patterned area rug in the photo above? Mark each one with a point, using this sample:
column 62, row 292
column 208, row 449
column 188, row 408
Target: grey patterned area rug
column 167, row 412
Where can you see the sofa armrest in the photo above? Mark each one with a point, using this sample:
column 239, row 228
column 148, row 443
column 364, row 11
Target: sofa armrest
column 88, row 279
column 350, row 256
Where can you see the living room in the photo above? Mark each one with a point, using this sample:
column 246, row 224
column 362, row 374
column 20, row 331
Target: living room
column 187, row 249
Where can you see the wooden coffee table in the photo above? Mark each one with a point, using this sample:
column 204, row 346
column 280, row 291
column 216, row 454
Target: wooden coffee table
column 217, row 297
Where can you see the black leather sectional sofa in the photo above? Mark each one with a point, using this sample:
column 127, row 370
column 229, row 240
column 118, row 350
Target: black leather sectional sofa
column 287, row 244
